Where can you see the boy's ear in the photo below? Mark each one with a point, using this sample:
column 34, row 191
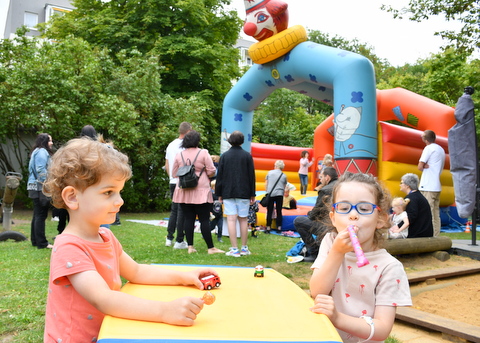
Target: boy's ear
column 69, row 196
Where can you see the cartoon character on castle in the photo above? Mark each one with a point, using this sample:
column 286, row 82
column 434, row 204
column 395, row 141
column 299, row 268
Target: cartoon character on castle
column 265, row 18
column 285, row 59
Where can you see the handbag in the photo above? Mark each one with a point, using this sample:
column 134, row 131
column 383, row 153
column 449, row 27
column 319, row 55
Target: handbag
column 266, row 198
column 187, row 178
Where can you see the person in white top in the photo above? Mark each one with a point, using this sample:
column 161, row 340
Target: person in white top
column 431, row 165
column 176, row 217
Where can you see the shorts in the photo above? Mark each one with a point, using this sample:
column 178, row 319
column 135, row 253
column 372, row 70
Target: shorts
column 236, row 206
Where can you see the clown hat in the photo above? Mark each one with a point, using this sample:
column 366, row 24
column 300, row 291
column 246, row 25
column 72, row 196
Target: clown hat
column 252, row 5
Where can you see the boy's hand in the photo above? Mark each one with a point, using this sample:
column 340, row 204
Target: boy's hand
column 194, row 276
column 182, row 311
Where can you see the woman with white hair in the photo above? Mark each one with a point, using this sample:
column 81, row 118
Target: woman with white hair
column 418, row 209
column 275, row 183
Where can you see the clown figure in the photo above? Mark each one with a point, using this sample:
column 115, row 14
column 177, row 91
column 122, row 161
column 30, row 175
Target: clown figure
column 265, row 18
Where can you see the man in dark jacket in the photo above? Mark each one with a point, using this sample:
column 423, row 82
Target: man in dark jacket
column 312, row 227
column 235, row 187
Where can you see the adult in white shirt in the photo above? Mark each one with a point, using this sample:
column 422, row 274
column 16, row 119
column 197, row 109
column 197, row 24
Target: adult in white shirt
column 176, row 217
column 431, row 165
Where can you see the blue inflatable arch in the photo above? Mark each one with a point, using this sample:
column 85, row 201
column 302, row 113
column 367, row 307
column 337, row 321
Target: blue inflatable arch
column 341, row 78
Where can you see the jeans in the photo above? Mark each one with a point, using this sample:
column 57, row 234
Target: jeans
column 37, row 228
column 218, row 222
column 176, row 220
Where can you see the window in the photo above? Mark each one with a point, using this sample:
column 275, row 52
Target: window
column 30, row 20
column 51, row 10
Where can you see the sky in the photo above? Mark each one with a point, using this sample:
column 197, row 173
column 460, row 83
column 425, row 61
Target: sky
column 397, row 41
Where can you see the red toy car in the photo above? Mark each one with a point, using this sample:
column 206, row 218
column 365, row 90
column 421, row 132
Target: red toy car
column 210, row 281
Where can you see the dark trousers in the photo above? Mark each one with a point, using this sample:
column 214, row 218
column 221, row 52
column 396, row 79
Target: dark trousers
column 278, row 203
column 37, row 227
column 176, row 220
column 306, row 228
column 191, row 211
column 217, row 221
column 63, row 217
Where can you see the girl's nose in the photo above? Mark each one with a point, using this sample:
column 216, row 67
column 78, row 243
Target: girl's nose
column 353, row 215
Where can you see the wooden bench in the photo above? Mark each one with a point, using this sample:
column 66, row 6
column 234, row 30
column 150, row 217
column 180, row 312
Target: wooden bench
column 437, row 323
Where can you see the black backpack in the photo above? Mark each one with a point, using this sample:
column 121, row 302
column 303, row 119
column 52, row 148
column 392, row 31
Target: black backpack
column 186, row 174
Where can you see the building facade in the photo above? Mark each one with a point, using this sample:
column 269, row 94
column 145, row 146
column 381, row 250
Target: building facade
column 15, row 13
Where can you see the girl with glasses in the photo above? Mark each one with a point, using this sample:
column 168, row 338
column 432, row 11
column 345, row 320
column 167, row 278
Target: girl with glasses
column 360, row 301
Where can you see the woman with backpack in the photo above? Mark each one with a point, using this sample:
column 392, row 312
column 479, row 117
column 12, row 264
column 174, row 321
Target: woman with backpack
column 195, row 201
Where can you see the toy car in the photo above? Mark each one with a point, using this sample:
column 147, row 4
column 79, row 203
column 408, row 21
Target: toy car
column 210, row 282
column 258, row 271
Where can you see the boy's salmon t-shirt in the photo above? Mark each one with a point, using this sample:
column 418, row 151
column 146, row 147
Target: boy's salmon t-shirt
column 69, row 317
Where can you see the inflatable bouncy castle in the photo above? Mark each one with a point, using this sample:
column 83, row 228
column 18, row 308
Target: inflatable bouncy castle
column 371, row 131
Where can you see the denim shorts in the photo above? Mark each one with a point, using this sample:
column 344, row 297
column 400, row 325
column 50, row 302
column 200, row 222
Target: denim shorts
column 236, row 206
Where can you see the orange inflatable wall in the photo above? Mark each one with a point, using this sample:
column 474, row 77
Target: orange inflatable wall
column 265, row 156
column 403, row 146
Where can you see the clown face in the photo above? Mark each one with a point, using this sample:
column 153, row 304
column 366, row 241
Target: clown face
column 265, row 18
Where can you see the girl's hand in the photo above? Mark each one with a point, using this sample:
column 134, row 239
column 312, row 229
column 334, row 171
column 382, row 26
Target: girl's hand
column 324, row 304
column 182, row 311
column 395, row 229
column 342, row 243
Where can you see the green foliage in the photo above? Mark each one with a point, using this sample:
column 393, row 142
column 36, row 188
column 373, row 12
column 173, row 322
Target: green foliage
column 283, row 119
column 193, row 41
column 467, row 12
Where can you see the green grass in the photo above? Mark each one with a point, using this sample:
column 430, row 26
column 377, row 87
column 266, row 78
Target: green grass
column 24, row 269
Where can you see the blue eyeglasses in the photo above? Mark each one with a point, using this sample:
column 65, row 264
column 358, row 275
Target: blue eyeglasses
column 363, row 208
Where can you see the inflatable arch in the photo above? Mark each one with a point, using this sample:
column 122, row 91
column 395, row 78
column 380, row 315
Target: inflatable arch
column 343, row 79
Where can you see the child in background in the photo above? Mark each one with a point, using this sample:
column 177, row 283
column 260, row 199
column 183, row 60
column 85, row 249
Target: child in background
column 216, row 219
column 86, row 177
column 252, row 218
column 305, row 163
column 359, row 301
column 399, row 219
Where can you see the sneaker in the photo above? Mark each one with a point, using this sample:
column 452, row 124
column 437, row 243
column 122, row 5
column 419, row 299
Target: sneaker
column 180, row 245
column 55, row 219
column 233, row 252
column 294, row 259
column 168, row 242
column 245, row 251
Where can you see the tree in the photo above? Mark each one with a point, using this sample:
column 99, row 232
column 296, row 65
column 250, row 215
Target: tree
column 193, row 41
column 59, row 87
column 467, row 12
column 282, row 119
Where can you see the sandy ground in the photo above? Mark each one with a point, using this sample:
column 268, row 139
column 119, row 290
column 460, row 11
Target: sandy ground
column 455, row 298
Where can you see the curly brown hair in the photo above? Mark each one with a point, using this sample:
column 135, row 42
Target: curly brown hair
column 82, row 163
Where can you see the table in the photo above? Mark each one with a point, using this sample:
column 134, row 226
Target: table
column 247, row 309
